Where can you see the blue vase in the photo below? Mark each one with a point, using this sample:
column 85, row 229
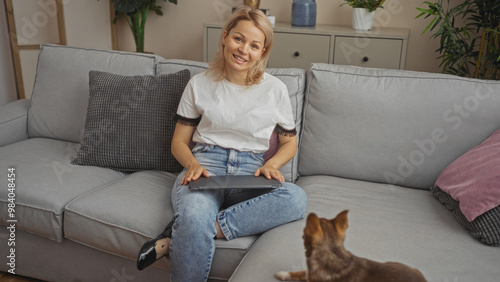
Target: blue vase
column 304, row 12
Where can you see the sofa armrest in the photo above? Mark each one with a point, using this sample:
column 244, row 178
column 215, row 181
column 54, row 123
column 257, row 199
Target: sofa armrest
column 14, row 121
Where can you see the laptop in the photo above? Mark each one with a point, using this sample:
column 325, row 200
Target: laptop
column 234, row 182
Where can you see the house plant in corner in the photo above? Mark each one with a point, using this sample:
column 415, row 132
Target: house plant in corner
column 469, row 36
column 363, row 12
column 136, row 12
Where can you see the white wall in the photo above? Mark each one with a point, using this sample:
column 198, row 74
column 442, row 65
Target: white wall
column 8, row 90
column 178, row 33
column 87, row 25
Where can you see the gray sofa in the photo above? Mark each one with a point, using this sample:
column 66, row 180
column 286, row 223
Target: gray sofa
column 371, row 141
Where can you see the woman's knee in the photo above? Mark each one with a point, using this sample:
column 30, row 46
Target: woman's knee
column 197, row 207
column 297, row 198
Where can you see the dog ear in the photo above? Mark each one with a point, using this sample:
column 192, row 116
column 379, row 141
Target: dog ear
column 340, row 223
column 313, row 231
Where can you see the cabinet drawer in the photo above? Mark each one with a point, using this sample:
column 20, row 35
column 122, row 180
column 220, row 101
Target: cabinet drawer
column 368, row 52
column 292, row 50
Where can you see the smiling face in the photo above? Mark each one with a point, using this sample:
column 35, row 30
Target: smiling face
column 243, row 48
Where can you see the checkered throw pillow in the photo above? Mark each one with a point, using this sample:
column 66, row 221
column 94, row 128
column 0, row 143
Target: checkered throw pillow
column 130, row 124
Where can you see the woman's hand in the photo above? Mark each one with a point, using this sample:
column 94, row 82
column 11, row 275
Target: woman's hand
column 193, row 171
column 182, row 153
column 286, row 151
column 269, row 173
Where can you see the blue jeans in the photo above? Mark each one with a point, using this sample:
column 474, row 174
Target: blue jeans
column 239, row 212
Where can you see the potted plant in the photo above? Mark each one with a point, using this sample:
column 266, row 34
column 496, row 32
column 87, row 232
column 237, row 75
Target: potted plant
column 469, row 35
column 136, row 12
column 363, row 12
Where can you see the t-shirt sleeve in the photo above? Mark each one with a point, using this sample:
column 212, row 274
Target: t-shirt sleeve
column 187, row 112
column 285, row 124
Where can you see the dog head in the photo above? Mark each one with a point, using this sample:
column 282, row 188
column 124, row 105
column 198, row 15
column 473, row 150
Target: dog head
column 321, row 230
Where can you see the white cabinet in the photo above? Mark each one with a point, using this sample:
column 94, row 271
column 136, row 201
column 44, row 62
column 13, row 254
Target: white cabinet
column 298, row 47
column 211, row 36
column 298, row 50
column 368, row 52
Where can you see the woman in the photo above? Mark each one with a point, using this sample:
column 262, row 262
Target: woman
column 229, row 112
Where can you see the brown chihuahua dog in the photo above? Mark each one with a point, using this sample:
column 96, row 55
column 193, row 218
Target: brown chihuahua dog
column 327, row 260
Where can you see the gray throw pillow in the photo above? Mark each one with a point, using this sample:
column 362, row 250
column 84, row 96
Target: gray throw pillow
column 130, row 123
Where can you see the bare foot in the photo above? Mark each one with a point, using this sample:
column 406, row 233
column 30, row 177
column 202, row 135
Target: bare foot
column 161, row 247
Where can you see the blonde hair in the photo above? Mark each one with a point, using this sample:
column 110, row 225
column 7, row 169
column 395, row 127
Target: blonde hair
column 261, row 21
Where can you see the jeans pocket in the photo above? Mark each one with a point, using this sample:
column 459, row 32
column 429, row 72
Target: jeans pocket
column 200, row 147
column 258, row 157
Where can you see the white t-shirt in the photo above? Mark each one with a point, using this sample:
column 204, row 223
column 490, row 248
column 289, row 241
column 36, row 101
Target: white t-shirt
column 234, row 116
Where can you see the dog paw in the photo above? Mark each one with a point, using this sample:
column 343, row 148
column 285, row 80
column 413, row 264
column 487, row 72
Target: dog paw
column 282, row 275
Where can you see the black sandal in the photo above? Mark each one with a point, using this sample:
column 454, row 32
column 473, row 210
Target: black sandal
column 147, row 254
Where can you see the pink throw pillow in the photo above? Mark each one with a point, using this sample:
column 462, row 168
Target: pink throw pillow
column 474, row 178
column 274, row 144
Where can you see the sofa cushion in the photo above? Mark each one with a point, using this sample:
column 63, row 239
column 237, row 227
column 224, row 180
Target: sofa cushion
column 130, row 121
column 294, row 79
column 139, row 210
column 392, row 126
column 14, row 121
column 61, row 89
column 386, row 223
column 46, row 182
column 174, row 65
column 119, row 217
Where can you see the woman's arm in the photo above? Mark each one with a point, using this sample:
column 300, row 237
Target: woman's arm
column 182, row 153
column 287, row 150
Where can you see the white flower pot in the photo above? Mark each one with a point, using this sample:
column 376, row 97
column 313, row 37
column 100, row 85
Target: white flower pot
column 362, row 19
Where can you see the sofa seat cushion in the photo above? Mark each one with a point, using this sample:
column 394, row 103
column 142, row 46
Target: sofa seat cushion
column 46, row 182
column 386, row 223
column 119, row 218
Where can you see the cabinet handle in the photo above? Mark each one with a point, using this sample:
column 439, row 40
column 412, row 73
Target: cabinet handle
column 365, row 59
column 296, row 54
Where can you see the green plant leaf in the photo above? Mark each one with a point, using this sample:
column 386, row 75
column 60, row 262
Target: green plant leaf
column 371, row 5
column 430, row 25
column 459, row 25
column 137, row 12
